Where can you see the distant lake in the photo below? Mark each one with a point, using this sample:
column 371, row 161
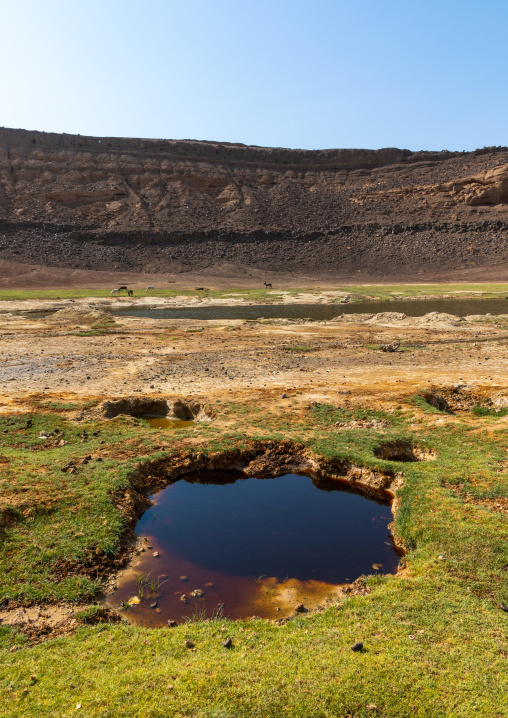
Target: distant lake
column 415, row 308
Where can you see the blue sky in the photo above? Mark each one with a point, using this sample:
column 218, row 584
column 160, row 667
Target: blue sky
column 312, row 74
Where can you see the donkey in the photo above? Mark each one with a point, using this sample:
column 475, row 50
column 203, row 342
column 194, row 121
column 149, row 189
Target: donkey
column 146, row 290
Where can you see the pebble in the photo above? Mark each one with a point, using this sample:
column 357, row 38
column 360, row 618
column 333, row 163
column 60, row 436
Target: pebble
column 172, row 624
column 189, row 644
column 300, row 608
column 357, row 647
column 155, row 553
column 183, row 578
column 183, row 598
column 153, row 605
column 228, row 643
column 197, row 593
column 284, row 396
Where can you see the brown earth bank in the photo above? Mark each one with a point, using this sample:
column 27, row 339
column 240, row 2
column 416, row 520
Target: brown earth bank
column 181, row 209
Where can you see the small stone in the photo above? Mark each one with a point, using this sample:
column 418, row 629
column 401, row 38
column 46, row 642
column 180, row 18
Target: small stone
column 183, row 598
column 300, row 608
column 209, row 584
column 503, row 606
column 183, row 578
column 155, row 553
column 189, row 644
column 371, row 707
column 228, row 643
column 172, row 624
column 153, row 605
column 357, row 647
column 197, row 593
column 284, row 396
column 158, row 610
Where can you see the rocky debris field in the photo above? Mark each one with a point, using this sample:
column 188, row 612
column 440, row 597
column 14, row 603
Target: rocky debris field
column 90, row 353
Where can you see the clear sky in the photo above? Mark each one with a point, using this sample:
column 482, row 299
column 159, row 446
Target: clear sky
column 419, row 74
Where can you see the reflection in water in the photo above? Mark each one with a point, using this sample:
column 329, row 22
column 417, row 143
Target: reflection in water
column 323, row 312
column 251, row 547
column 163, row 423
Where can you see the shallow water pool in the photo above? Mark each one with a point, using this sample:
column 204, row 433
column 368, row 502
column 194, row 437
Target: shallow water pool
column 247, row 546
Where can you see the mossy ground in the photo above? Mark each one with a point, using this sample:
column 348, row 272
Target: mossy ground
column 435, row 639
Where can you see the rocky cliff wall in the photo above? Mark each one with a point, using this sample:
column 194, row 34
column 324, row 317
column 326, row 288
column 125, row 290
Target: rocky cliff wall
column 137, row 204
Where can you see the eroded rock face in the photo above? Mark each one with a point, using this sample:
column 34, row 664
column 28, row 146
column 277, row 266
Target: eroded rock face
column 169, row 206
column 488, row 188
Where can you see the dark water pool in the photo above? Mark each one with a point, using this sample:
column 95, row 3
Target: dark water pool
column 415, row 308
column 257, row 546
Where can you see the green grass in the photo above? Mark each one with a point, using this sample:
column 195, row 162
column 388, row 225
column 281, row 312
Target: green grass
column 358, row 292
column 454, row 666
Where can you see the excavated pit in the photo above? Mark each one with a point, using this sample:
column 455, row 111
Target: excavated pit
column 226, row 533
column 150, row 408
column 402, row 451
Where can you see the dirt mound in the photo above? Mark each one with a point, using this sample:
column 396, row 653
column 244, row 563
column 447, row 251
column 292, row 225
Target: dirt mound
column 387, row 318
column 438, row 319
column 81, row 315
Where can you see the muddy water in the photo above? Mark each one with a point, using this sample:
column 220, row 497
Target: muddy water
column 169, row 424
column 323, row 312
column 251, row 547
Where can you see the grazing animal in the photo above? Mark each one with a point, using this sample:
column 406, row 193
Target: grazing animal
column 267, row 284
column 120, row 289
column 146, row 290
column 130, row 292
column 114, row 291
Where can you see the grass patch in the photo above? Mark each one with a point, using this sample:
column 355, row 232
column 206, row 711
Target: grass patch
column 428, row 633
